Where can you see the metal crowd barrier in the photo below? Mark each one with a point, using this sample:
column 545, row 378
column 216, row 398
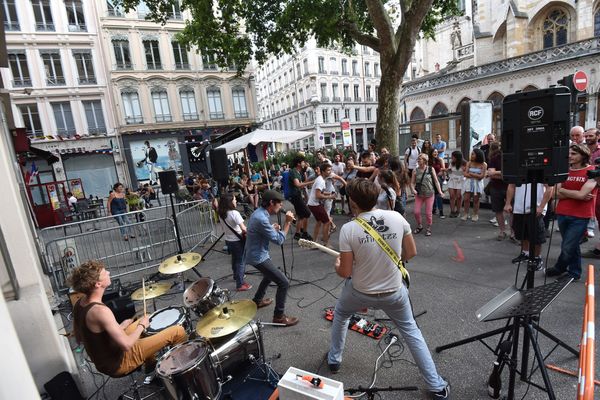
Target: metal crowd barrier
column 154, row 239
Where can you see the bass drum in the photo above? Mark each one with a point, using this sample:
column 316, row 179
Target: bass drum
column 237, row 350
column 187, row 372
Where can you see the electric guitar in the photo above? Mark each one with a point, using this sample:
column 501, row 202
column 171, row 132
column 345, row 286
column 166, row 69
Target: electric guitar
column 313, row 245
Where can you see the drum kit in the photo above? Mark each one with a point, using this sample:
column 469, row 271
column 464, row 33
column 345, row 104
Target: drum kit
column 224, row 339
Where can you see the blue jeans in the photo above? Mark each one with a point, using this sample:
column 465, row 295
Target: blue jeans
column 238, row 263
column 571, row 230
column 122, row 220
column 438, row 204
column 397, row 306
column 272, row 274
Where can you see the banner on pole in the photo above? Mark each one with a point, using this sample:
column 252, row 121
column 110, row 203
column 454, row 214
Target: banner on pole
column 346, row 134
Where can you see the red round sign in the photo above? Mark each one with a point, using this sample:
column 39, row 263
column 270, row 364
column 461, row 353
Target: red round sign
column 580, row 81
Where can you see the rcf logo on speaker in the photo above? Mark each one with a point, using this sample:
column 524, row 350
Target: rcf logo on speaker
column 535, row 112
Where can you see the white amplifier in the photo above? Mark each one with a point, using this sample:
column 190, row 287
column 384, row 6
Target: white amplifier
column 293, row 387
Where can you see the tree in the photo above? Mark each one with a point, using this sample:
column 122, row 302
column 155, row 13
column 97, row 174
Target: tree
column 235, row 31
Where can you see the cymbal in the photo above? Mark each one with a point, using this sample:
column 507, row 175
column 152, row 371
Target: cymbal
column 152, row 290
column 226, row 318
column 179, row 263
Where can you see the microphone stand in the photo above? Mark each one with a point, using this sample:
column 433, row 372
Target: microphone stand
column 281, row 245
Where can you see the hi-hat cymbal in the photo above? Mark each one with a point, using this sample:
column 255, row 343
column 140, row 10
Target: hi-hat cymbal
column 226, row 318
column 152, row 290
column 179, row 263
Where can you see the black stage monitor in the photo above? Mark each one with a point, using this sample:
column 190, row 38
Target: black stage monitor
column 535, row 135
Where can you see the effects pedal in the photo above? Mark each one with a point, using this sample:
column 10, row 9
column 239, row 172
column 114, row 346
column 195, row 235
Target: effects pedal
column 359, row 324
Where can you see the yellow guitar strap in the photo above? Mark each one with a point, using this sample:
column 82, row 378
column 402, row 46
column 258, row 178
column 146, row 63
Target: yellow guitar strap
column 385, row 247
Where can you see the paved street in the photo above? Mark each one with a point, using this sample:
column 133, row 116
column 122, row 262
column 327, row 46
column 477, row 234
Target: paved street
column 448, row 291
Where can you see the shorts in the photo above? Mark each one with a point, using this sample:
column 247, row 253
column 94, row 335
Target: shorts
column 498, row 196
column 319, row 213
column 302, row 211
column 520, row 225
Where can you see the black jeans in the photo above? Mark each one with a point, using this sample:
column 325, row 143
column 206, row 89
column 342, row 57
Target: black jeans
column 272, row 274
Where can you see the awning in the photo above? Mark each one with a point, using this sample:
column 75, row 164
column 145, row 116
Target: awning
column 264, row 136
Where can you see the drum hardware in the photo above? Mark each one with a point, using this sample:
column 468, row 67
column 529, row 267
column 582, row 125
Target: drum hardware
column 204, row 295
column 226, row 318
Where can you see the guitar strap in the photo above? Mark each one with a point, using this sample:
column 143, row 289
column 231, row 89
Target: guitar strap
column 385, row 247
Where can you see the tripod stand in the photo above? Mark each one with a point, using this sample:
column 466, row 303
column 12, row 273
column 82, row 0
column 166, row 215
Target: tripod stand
column 521, row 314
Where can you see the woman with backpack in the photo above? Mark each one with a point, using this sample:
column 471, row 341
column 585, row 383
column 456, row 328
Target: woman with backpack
column 400, row 170
column 424, row 186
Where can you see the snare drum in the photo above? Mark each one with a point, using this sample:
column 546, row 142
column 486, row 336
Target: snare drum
column 204, row 295
column 237, row 350
column 166, row 317
column 187, row 372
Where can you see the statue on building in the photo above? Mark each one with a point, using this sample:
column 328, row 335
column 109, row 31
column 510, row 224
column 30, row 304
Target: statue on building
column 455, row 36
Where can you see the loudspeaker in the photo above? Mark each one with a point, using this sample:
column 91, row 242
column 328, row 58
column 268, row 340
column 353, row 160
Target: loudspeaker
column 219, row 164
column 63, row 387
column 168, row 182
column 535, row 136
column 122, row 307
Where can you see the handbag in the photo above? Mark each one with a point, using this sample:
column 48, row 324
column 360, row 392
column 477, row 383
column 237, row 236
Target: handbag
column 419, row 185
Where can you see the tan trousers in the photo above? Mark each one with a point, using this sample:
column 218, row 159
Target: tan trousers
column 146, row 347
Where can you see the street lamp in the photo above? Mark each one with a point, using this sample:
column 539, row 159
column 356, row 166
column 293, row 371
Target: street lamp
column 314, row 101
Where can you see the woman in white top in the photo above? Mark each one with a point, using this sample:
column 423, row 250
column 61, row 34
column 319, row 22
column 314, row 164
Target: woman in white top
column 235, row 238
column 389, row 188
column 456, row 182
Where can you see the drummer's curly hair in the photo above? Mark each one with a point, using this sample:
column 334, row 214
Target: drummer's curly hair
column 84, row 277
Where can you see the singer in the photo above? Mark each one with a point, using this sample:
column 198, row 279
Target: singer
column 260, row 233
column 377, row 281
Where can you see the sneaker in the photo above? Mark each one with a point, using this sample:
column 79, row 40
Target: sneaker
column 245, row 286
column 442, row 216
column 334, row 368
column 496, row 224
column 521, row 257
column 464, row 217
column 475, row 218
column 442, row 394
column 537, row 264
column 494, row 221
column 306, row 236
column 297, row 236
column 590, row 233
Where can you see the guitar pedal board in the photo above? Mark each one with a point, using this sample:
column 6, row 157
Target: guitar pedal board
column 361, row 325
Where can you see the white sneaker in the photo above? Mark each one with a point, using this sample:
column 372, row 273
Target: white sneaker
column 590, row 233
column 494, row 221
column 475, row 218
column 464, row 217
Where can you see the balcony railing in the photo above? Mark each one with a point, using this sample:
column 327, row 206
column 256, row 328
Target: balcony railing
column 345, row 73
column 90, row 80
column 77, row 28
column 181, row 65
column 190, row 116
column 164, row 118
column 123, row 66
column 241, row 114
column 216, row 115
column 324, row 99
column 137, row 119
column 11, row 26
column 22, row 82
column 154, row 67
column 47, row 27
column 347, row 99
column 115, row 13
column 358, row 99
column 301, row 104
column 552, row 55
column 97, row 131
column 55, row 80
column 176, row 16
column 336, row 98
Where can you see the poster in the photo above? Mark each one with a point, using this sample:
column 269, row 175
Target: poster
column 480, row 122
column 77, row 189
column 169, row 158
column 346, row 134
column 53, row 196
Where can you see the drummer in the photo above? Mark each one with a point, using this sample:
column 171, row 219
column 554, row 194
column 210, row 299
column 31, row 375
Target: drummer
column 115, row 349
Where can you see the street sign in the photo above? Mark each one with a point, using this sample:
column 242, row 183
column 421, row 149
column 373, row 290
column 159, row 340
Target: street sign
column 580, row 81
column 346, row 133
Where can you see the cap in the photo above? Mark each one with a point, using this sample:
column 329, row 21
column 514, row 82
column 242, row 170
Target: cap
column 269, row 195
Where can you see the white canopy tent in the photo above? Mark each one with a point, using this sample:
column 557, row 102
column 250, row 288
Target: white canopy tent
column 263, row 136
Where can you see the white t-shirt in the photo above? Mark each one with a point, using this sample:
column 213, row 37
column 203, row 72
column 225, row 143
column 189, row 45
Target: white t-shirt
column 338, row 169
column 318, row 184
column 234, row 219
column 72, row 201
column 523, row 196
column 384, row 198
column 373, row 270
column 411, row 156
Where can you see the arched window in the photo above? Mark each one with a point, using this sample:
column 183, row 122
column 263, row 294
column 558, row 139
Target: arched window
column 215, row 106
column 555, row 28
column 160, row 101
column 530, row 88
column 417, row 114
column 240, row 108
column 188, row 103
column 439, row 109
column 131, row 106
column 597, row 22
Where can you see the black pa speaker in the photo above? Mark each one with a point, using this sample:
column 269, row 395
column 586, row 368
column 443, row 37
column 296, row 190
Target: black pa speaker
column 535, row 136
column 219, row 164
column 122, row 307
column 168, row 182
column 63, row 387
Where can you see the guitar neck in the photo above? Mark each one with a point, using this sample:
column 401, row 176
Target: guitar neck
column 314, row 245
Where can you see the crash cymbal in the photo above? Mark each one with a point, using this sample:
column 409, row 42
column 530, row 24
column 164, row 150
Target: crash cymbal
column 226, row 318
column 179, row 263
column 153, row 290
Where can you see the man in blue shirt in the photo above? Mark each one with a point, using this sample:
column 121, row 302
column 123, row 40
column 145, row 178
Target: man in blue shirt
column 440, row 146
column 260, row 232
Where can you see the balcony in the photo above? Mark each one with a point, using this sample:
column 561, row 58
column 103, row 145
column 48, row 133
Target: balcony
column 77, row 28
column 11, row 26
column 55, row 80
column 122, row 66
column 358, row 99
column 190, row 116
column 322, row 71
column 22, row 82
column 336, row 98
column 176, row 16
column 90, row 80
column 97, row 131
column 154, row 67
column 241, row 114
column 347, row 99
column 182, row 65
column 369, row 98
column 216, row 115
column 306, row 74
column 324, row 99
column 345, row 73
column 576, row 50
column 44, row 27
column 115, row 12
column 288, row 109
column 137, row 119
column 334, row 72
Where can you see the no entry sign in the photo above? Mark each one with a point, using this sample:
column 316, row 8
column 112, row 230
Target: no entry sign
column 580, row 81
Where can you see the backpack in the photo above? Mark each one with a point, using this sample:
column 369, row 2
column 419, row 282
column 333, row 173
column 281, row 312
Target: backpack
column 408, row 152
column 285, row 184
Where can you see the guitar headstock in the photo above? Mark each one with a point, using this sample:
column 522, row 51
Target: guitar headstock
column 307, row 244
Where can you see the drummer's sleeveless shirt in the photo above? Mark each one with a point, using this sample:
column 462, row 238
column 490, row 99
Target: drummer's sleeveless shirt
column 102, row 349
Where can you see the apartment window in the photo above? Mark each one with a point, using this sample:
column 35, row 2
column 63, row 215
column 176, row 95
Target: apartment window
column 85, row 66
column 114, row 10
column 347, row 113
column 305, row 62
column 325, row 113
column 356, row 93
column 344, row 67
column 555, row 28
column 152, row 54
column 215, row 106
column 209, row 60
column 132, row 108
column 94, row 117
column 175, row 10
column 240, row 108
column 357, row 114
column 354, row 67
column 368, row 114
column 321, row 65
column 122, row 55
column 376, row 70
column 160, row 101
column 335, row 92
column 336, row 115
column 63, row 116
column 301, row 95
column 347, row 92
column 142, row 10
column 376, row 93
column 333, row 65
column 53, row 67
column 75, row 17
column 323, row 91
column 368, row 93
column 181, row 56
column 42, row 15
column 188, row 104
column 31, row 119
column 18, row 66
column 597, row 23
column 367, row 69
column 11, row 21
column 298, row 71
column 311, row 117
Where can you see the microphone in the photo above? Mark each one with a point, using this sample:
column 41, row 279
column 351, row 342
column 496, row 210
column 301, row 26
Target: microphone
column 284, row 211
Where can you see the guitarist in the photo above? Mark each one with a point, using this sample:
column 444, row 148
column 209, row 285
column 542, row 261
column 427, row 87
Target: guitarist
column 377, row 281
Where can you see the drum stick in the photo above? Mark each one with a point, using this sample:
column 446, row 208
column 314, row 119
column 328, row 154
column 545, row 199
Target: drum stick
column 144, row 294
